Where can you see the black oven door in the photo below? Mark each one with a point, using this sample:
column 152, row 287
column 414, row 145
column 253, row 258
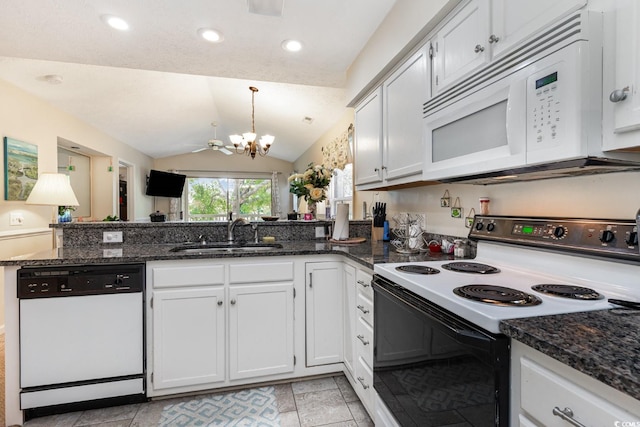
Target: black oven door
column 432, row 368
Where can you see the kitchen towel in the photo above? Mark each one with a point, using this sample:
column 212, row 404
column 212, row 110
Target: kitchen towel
column 341, row 227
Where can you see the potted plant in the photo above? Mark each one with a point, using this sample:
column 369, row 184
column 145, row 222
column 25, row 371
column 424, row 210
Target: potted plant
column 312, row 185
column 64, row 213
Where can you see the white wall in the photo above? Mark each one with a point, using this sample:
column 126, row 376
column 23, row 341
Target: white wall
column 613, row 196
column 27, row 118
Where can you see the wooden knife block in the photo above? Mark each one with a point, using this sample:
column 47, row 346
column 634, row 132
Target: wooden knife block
column 376, row 233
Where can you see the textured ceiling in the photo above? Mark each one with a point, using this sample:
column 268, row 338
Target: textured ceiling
column 158, row 86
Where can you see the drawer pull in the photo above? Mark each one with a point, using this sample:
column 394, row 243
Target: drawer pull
column 361, row 338
column 361, row 380
column 362, row 309
column 567, row 415
column 363, row 284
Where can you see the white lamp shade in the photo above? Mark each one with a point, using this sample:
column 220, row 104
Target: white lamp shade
column 236, row 140
column 249, row 137
column 53, row 189
column 266, row 141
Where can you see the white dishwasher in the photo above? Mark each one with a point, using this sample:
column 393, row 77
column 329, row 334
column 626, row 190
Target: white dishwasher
column 81, row 337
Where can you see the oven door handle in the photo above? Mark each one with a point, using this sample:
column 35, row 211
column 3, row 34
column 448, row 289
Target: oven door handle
column 470, row 337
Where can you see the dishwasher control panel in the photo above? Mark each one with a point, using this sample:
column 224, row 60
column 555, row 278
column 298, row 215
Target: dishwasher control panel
column 61, row 281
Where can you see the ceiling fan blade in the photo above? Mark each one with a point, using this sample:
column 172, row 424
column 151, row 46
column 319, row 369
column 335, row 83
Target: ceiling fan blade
column 225, row 151
column 199, row 150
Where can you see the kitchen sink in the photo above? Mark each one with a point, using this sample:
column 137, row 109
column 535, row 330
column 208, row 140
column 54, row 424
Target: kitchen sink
column 224, row 247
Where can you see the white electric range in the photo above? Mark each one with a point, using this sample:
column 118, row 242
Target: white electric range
column 520, row 253
column 439, row 354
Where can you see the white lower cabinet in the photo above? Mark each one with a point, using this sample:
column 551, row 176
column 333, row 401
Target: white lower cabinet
column 260, row 330
column 359, row 309
column 324, row 312
column 350, row 317
column 189, row 335
column 547, row 392
column 218, row 324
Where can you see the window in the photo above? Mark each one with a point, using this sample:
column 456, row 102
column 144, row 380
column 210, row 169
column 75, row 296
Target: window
column 212, row 198
column 341, row 188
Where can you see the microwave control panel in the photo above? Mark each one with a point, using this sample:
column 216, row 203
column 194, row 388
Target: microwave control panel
column 544, row 112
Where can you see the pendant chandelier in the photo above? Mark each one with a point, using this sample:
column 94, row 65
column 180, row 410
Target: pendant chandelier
column 246, row 144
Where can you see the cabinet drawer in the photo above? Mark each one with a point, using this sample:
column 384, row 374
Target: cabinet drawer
column 543, row 390
column 167, row 277
column 364, row 341
column 363, row 280
column 364, row 308
column 364, row 382
column 261, row 272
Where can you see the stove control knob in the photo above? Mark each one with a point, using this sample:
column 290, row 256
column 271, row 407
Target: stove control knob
column 491, row 226
column 479, row 226
column 559, row 232
column 632, row 238
column 607, row 236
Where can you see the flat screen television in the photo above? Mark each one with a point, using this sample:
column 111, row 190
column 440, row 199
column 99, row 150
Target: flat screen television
column 165, row 184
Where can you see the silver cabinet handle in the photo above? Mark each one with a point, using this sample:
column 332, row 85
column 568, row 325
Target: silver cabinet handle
column 364, row 284
column 478, row 48
column 311, row 280
column 233, row 302
column 493, row 38
column 619, row 94
column 361, row 380
column 567, row 415
column 220, row 302
column 362, row 309
column 376, row 169
column 361, row 338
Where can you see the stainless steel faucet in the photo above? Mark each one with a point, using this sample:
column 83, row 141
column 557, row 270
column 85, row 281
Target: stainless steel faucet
column 232, row 226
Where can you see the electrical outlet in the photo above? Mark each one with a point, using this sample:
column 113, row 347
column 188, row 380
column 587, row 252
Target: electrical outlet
column 17, row 218
column 112, row 237
column 112, row 253
column 320, row 232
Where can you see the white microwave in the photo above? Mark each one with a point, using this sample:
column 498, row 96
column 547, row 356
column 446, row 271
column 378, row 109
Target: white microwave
column 545, row 107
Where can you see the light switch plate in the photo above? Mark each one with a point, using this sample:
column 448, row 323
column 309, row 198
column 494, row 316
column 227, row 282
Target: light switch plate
column 17, row 218
column 112, row 237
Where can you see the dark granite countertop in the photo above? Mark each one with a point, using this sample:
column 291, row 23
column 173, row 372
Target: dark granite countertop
column 603, row 344
column 366, row 253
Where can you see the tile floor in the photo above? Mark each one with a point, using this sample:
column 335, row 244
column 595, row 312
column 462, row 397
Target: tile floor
column 328, row 401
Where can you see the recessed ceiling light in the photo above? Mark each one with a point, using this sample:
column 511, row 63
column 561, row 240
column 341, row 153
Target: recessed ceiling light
column 115, row 22
column 292, row 45
column 210, row 35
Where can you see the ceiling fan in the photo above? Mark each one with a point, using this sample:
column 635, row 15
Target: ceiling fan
column 215, row 144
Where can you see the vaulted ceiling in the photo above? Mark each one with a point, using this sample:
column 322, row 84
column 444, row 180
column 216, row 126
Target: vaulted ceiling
column 158, row 86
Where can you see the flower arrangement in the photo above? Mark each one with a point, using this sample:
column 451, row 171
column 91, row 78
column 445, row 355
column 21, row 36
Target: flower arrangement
column 311, row 184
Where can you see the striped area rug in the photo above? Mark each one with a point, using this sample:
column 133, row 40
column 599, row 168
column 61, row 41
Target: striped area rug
column 247, row 408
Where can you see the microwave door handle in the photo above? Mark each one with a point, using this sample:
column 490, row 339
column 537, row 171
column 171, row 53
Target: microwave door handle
column 516, row 120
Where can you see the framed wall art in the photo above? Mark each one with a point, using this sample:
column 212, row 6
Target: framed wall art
column 20, row 168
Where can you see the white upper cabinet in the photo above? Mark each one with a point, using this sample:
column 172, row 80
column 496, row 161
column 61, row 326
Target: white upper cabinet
column 389, row 148
column 368, row 139
column 484, row 30
column 622, row 79
column 403, row 94
column 514, row 20
column 461, row 46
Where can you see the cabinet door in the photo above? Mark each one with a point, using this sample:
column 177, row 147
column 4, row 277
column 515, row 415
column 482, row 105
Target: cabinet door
column 260, row 330
column 323, row 286
column 461, row 45
column 368, row 139
column 188, row 337
column 403, row 95
column 626, row 113
column 350, row 317
column 512, row 21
